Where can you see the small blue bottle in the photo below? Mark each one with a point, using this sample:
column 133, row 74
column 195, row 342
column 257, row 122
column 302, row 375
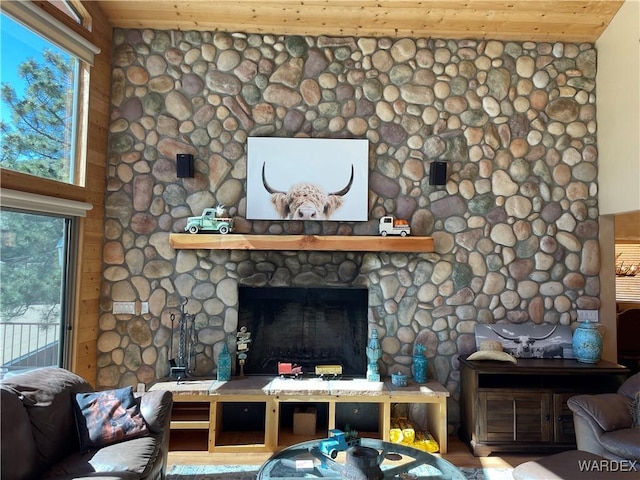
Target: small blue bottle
column 420, row 363
column 224, row 364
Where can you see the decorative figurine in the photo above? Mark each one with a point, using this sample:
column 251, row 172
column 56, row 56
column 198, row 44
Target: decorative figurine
column 399, row 379
column 338, row 441
column 211, row 220
column 289, row 370
column 242, row 342
column 374, row 352
column 328, row 372
column 419, row 364
column 224, row 364
column 391, row 226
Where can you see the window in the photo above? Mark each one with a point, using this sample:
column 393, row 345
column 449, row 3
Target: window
column 68, row 9
column 34, row 274
column 39, row 101
column 628, row 272
column 42, row 61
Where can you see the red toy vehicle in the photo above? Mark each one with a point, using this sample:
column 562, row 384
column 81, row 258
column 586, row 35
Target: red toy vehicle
column 289, row 370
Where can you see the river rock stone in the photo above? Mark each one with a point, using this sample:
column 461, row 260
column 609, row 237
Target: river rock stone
column 515, row 227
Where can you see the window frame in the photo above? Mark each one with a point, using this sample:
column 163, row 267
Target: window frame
column 58, row 33
column 68, row 280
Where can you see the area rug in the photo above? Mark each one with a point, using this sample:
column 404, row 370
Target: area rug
column 249, row 472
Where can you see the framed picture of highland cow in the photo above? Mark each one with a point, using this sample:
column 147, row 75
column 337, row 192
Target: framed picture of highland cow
column 307, row 179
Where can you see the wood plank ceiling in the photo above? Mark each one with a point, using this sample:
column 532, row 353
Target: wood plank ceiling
column 518, row 20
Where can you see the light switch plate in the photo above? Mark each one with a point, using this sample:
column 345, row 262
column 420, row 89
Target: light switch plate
column 144, row 308
column 124, row 308
column 588, row 316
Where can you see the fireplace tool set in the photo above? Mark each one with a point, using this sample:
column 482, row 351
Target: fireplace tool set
column 180, row 367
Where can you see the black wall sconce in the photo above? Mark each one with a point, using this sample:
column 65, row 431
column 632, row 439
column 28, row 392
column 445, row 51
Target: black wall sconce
column 438, row 173
column 184, row 165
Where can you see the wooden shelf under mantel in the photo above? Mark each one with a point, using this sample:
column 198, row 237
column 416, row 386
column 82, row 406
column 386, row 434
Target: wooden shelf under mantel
column 335, row 243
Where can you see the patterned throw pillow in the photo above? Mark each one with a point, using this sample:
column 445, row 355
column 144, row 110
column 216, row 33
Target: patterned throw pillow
column 107, row 417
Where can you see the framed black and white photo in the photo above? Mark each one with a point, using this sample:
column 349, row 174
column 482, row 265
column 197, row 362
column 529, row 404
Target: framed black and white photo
column 529, row 341
column 307, row 179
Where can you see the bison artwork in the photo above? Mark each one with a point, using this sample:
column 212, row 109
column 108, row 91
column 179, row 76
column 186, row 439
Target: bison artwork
column 306, row 201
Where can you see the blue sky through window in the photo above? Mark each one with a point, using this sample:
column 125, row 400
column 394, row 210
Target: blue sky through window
column 17, row 43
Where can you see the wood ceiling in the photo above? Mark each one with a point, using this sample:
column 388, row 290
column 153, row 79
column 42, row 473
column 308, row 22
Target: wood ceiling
column 518, row 20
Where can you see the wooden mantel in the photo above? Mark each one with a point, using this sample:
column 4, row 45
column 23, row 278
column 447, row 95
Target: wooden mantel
column 352, row 243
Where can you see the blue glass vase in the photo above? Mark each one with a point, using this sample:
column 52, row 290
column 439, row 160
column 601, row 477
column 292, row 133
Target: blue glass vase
column 587, row 343
column 420, row 364
column 374, row 352
column 224, row 364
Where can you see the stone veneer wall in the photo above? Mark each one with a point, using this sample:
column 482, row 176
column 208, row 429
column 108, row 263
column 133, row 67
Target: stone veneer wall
column 515, row 228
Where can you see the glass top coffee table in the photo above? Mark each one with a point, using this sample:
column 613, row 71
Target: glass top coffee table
column 304, row 460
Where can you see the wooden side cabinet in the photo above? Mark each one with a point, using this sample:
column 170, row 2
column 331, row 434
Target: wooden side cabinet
column 523, row 407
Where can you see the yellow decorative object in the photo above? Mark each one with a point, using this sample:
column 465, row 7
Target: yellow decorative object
column 395, row 432
column 402, row 431
column 426, row 442
column 395, row 435
column 408, row 432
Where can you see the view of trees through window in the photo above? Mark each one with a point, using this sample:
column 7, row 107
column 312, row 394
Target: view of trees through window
column 33, row 251
column 38, row 111
column 39, row 85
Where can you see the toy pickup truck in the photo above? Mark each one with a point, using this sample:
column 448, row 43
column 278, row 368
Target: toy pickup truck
column 338, row 441
column 390, row 226
column 209, row 222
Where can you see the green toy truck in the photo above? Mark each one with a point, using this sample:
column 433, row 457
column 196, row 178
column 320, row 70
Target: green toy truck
column 209, row 222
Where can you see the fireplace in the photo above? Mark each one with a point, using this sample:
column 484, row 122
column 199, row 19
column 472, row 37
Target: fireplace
column 306, row 326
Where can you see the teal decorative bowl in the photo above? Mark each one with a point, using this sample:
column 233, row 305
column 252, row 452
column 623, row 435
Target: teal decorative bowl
column 399, row 379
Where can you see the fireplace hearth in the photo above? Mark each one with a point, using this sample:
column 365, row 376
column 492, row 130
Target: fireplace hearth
column 305, row 326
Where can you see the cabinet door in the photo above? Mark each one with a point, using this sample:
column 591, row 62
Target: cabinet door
column 563, row 431
column 521, row 417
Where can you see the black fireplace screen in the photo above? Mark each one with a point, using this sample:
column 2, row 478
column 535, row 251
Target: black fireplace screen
column 306, row 326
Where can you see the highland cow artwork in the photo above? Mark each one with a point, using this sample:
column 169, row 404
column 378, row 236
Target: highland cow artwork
column 307, row 179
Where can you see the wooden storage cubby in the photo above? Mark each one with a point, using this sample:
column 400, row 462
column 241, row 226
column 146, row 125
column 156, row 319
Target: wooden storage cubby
column 190, row 423
column 286, row 411
column 255, row 414
column 366, row 417
column 240, row 424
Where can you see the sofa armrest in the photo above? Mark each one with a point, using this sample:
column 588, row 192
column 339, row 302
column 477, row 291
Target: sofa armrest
column 606, row 411
column 156, row 408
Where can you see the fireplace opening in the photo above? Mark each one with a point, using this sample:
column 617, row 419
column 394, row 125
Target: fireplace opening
column 305, row 326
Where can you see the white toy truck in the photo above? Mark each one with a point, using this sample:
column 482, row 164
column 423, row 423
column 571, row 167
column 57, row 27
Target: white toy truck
column 390, row 226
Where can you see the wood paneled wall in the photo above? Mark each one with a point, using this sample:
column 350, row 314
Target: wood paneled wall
column 89, row 254
column 518, row 20
column 628, row 227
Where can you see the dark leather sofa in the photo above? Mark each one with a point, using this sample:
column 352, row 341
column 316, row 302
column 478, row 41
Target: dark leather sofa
column 604, row 423
column 40, row 437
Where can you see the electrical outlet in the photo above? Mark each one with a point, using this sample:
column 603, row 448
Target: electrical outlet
column 588, row 316
column 141, row 388
column 124, row 308
column 144, row 308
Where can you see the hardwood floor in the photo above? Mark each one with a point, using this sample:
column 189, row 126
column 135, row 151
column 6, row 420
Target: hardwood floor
column 459, row 454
